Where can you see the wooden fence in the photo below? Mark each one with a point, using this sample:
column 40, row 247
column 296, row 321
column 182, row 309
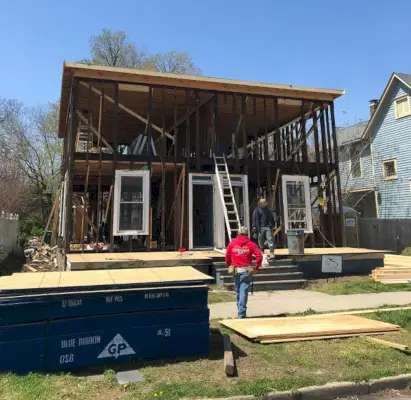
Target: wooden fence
column 385, row 234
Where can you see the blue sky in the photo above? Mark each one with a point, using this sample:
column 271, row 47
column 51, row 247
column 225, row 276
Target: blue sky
column 346, row 44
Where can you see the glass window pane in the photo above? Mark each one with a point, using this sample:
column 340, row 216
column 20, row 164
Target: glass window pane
column 131, row 217
column 131, row 188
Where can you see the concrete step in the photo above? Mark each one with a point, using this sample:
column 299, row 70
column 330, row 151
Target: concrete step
column 278, row 269
column 274, row 285
column 267, row 277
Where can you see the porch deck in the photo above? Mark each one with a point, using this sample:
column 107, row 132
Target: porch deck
column 355, row 261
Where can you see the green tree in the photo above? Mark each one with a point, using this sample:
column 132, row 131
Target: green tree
column 30, row 156
column 115, row 49
column 176, row 62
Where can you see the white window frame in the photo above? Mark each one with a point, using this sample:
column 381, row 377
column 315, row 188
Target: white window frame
column 390, row 178
column 308, row 212
column 399, row 99
column 146, row 202
column 218, row 213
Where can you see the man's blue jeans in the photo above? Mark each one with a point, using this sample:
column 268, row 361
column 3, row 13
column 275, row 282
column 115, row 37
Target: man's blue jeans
column 242, row 283
column 263, row 234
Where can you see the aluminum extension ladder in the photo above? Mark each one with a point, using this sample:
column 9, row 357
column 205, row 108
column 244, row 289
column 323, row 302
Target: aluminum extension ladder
column 231, row 217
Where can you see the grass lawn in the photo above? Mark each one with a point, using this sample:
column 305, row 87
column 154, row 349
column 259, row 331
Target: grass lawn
column 354, row 285
column 261, row 369
column 220, row 297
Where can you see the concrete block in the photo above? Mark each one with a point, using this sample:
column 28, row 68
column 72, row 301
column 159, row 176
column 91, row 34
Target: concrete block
column 398, row 382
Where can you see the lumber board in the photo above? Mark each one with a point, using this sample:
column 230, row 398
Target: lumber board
column 307, row 326
column 96, row 278
column 327, row 337
column 369, row 311
column 229, row 366
column 386, row 343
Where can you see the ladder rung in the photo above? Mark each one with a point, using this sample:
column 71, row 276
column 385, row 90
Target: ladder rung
column 230, row 212
column 235, row 230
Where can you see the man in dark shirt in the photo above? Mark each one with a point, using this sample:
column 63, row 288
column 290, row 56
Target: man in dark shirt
column 263, row 224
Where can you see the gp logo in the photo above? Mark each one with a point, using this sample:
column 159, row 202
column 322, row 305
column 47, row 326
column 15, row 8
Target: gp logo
column 116, row 348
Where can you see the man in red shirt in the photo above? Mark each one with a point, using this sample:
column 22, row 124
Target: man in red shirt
column 238, row 258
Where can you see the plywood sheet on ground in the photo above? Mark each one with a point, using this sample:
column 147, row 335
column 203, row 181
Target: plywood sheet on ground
column 308, row 326
column 36, row 280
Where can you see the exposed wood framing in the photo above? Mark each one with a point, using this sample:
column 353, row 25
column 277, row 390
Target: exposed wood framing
column 68, row 227
column 94, row 130
column 163, row 176
column 150, row 156
column 327, row 191
column 336, row 158
column 114, row 140
column 128, row 110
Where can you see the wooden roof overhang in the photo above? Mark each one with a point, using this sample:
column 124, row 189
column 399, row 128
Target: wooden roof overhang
column 180, row 92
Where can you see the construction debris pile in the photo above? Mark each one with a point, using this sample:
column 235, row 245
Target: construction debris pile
column 397, row 269
column 40, row 257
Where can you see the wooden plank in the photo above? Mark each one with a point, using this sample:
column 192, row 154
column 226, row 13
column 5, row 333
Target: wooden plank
column 258, row 147
column 242, row 121
column 198, row 154
column 229, row 366
column 163, row 176
column 183, row 172
column 133, row 75
column 53, row 208
column 68, row 227
column 150, row 155
column 268, row 182
column 173, row 206
column 386, row 343
column 38, row 280
column 328, row 337
column 308, row 326
column 54, row 228
column 235, row 133
column 336, row 158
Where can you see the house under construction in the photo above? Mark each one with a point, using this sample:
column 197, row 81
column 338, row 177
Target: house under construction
column 157, row 161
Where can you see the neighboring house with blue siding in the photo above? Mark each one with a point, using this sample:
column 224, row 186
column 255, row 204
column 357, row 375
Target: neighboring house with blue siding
column 375, row 155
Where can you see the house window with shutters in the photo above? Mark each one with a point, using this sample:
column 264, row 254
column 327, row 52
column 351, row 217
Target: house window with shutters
column 402, row 107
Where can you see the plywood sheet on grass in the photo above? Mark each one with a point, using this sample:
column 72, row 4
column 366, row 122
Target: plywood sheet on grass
column 308, row 326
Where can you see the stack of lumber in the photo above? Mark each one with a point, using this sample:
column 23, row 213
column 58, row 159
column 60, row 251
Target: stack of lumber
column 397, row 269
column 52, row 321
column 313, row 327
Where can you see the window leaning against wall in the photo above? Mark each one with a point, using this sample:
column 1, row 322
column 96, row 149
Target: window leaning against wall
column 389, row 169
column 131, row 203
column 297, row 203
column 402, row 107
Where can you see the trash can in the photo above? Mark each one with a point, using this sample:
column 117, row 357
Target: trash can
column 47, row 237
column 295, row 242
